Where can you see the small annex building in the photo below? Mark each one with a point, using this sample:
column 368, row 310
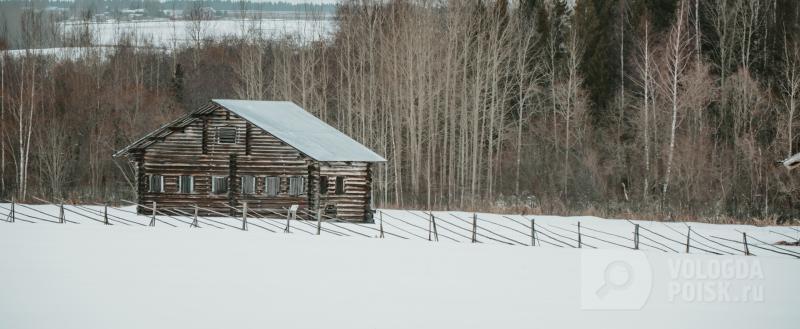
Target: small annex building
column 269, row 154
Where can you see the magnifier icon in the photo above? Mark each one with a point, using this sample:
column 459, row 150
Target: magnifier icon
column 618, row 276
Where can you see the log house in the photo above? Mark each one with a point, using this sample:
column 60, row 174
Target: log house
column 269, row 154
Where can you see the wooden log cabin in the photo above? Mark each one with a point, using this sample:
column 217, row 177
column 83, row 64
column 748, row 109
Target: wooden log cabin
column 271, row 155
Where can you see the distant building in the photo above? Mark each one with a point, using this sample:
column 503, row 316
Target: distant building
column 202, row 13
column 173, row 13
column 132, row 14
column 792, row 161
column 211, row 12
column 56, row 9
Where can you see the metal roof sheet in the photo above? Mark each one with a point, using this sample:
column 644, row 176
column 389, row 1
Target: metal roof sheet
column 792, row 161
column 300, row 129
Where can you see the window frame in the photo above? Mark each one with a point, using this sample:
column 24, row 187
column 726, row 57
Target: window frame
column 213, row 185
column 301, row 186
column 180, row 184
column 277, row 180
column 150, row 183
column 339, row 185
column 323, row 185
column 241, row 185
column 235, row 135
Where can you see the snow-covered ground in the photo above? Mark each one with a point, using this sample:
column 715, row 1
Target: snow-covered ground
column 165, row 34
column 456, row 227
column 84, row 274
column 63, row 53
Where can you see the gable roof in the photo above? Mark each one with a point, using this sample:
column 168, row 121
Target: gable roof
column 284, row 120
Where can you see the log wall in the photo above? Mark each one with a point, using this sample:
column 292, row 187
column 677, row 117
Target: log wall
column 193, row 150
column 354, row 201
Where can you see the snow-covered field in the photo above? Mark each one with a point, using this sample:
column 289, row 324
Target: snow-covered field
column 166, row 34
column 163, row 33
column 84, row 274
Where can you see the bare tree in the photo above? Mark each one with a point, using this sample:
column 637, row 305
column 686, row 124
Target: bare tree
column 198, row 16
column 2, row 124
column 645, row 81
column 571, row 101
column 527, row 72
column 53, row 155
column 722, row 15
column 678, row 53
column 790, row 87
column 32, row 35
column 749, row 20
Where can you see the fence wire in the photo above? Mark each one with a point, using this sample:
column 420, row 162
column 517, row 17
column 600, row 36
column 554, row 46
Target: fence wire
column 456, row 229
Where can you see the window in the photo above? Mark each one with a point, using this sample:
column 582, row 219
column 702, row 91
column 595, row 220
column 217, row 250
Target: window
column 185, row 184
column 156, row 184
column 271, row 185
column 248, row 185
column 297, row 185
column 226, row 135
column 340, row 185
column 323, row 184
column 219, row 184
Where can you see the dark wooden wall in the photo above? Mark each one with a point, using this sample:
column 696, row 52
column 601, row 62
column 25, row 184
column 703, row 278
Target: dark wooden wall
column 355, row 200
column 262, row 155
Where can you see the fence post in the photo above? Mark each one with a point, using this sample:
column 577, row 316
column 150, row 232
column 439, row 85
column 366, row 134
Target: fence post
column 288, row 216
column 746, row 248
column 430, row 228
column 244, row 216
column 12, row 215
column 319, row 221
column 433, row 221
column 105, row 214
column 579, row 235
column 533, row 232
column 688, row 236
column 61, row 218
column 292, row 214
column 194, row 220
column 636, row 237
column 153, row 219
column 380, row 215
column 474, row 227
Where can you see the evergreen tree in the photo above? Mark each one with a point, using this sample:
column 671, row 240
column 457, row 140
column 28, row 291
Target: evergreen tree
column 177, row 83
column 595, row 21
column 528, row 8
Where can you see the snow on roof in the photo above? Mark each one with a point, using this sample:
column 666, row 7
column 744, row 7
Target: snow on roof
column 300, row 129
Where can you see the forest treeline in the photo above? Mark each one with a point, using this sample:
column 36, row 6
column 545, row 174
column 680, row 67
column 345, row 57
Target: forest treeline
column 617, row 108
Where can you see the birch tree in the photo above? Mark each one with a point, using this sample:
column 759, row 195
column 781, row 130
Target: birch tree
column 527, row 73
column 678, row 54
column 572, row 103
column 645, row 81
column 197, row 27
column 791, row 88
